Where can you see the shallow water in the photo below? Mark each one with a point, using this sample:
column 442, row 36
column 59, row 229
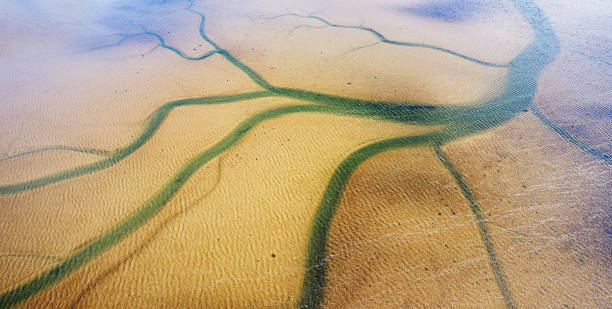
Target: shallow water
column 305, row 154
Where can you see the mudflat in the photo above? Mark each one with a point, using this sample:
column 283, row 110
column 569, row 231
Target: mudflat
column 274, row 154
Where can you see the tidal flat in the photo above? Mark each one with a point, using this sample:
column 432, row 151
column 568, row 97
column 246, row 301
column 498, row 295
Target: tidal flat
column 292, row 154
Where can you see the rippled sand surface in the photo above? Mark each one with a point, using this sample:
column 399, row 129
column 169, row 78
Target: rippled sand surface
column 274, row 154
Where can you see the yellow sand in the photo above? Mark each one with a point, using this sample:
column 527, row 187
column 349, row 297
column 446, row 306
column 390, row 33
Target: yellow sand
column 17, row 266
column 404, row 236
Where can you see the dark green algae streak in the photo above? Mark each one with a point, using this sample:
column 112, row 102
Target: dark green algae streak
column 54, row 148
column 460, row 121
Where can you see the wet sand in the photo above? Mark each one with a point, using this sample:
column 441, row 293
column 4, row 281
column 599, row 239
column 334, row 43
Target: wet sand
column 304, row 154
